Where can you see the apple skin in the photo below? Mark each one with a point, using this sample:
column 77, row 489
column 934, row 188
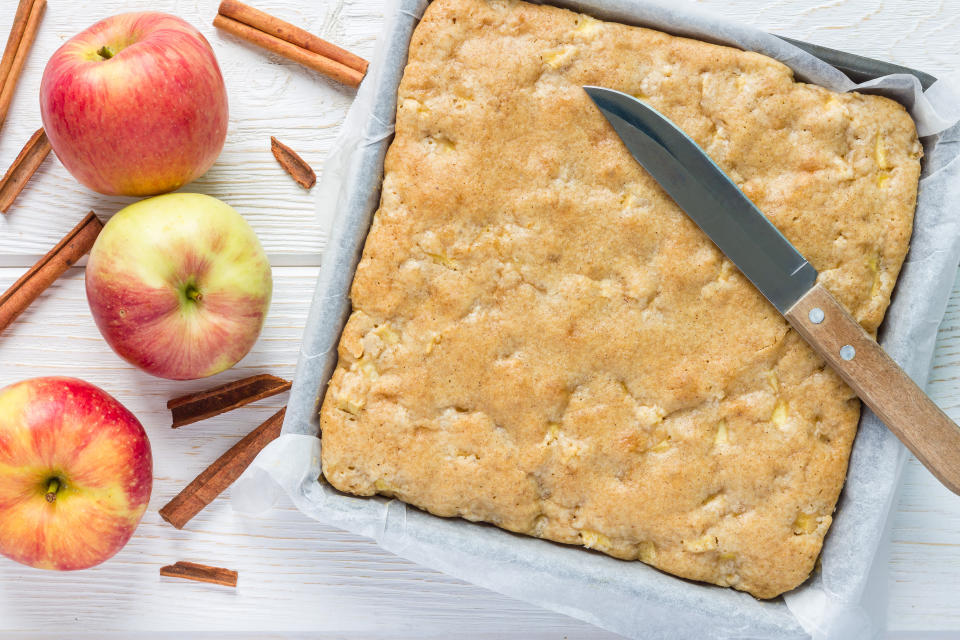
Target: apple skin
column 147, row 120
column 71, row 430
column 179, row 285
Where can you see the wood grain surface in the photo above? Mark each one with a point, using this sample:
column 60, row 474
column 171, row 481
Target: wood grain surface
column 301, row 578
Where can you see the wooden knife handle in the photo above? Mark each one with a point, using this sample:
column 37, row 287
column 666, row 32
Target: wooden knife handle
column 880, row 382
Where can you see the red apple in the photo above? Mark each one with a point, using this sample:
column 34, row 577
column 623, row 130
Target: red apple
column 135, row 105
column 75, row 473
column 179, row 285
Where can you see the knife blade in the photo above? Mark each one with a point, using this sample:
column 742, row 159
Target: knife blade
column 708, row 196
column 784, row 277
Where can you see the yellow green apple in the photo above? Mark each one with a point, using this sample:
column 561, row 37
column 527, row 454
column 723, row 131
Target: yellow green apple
column 179, row 285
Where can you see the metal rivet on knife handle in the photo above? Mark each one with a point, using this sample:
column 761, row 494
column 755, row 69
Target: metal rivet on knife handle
column 847, row 352
column 816, row 315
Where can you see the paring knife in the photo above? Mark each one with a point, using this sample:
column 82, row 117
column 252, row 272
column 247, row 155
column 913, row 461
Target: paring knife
column 787, row 280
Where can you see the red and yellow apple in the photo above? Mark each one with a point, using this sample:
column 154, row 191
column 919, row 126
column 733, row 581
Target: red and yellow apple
column 179, row 285
column 135, row 105
column 75, row 473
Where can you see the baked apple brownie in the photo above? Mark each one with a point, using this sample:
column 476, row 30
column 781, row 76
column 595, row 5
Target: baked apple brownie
column 541, row 339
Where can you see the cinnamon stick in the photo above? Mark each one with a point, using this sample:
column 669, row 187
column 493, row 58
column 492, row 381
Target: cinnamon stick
column 28, row 288
column 13, row 40
column 336, row 70
column 291, row 33
column 212, row 402
column 31, row 157
column 221, row 474
column 200, row 573
column 293, row 164
column 26, row 23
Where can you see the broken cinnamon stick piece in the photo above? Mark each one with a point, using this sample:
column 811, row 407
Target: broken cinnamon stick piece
column 31, row 157
column 24, row 32
column 28, row 288
column 291, row 33
column 200, row 573
column 221, row 474
column 331, row 68
column 227, row 397
column 291, row 161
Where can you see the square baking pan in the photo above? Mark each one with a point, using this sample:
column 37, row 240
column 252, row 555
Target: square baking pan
column 627, row 597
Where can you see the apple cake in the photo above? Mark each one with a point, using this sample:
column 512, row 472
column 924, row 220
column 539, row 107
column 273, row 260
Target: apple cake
column 541, row 339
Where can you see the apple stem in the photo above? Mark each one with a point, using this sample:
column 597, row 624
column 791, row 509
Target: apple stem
column 194, row 294
column 105, row 52
column 52, row 490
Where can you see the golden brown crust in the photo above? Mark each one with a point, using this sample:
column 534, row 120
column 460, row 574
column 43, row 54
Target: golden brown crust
column 541, row 339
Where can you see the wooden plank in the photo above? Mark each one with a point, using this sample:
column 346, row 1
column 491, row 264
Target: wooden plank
column 925, row 526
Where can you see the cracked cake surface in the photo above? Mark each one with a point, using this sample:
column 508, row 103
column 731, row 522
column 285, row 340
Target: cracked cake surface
column 543, row 340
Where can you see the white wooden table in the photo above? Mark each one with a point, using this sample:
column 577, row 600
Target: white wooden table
column 299, row 577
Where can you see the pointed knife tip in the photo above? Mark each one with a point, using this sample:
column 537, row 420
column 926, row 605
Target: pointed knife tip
column 608, row 99
column 592, row 91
